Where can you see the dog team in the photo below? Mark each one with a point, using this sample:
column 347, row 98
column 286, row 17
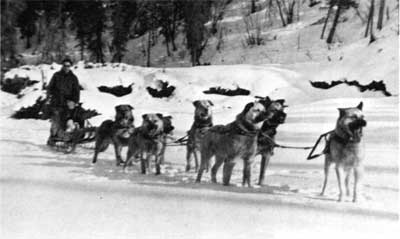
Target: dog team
column 251, row 133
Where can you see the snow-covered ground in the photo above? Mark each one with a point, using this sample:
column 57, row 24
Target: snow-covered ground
column 47, row 194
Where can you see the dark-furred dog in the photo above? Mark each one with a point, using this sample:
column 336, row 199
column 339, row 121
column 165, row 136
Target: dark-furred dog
column 233, row 142
column 202, row 122
column 266, row 143
column 148, row 141
column 117, row 132
column 345, row 148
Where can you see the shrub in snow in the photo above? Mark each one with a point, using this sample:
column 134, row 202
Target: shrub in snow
column 41, row 110
column 221, row 91
column 373, row 86
column 163, row 89
column 118, row 90
column 14, row 86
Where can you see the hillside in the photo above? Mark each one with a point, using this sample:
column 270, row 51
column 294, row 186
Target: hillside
column 51, row 194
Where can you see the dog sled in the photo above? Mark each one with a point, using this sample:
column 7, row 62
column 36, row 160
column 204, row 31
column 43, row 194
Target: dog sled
column 68, row 141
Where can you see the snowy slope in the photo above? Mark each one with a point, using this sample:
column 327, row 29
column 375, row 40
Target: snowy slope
column 46, row 194
column 190, row 84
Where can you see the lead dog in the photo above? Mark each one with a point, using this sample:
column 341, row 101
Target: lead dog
column 233, row 142
column 148, row 141
column 345, row 148
column 202, row 122
column 117, row 132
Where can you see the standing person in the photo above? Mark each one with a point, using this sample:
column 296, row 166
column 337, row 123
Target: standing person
column 63, row 93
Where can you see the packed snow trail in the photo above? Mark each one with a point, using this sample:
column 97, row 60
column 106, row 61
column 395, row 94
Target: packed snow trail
column 47, row 194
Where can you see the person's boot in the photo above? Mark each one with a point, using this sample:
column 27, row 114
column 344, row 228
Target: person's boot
column 51, row 141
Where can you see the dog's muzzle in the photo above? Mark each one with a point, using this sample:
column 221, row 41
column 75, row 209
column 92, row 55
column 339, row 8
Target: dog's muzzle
column 356, row 129
column 357, row 124
column 278, row 118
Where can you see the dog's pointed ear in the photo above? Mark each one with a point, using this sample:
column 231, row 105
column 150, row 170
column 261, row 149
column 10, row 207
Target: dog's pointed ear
column 360, row 106
column 131, row 107
column 160, row 115
column 196, row 103
column 145, row 117
column 281, row 101
column 117, row 108
column 248, row 107
column 168, row 117
column 210, row 102
column 341, row 112
column 266, row 101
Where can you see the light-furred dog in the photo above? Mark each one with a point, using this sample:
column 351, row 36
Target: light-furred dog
column 232, row 143
column 117, row 132
column 202, row 122
column 345, row 148
column 148, row 141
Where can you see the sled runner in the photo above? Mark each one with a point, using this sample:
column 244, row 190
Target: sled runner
column 69, row 140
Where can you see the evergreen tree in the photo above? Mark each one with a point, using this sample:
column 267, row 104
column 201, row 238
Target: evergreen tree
column 55, row 14
column 196, row 14
column 9, row 12
column 123, row 15
column 97, row 18
column 27, row 21
column 169, row 13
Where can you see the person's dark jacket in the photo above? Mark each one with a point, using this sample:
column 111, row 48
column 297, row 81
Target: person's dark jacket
column 62, row 87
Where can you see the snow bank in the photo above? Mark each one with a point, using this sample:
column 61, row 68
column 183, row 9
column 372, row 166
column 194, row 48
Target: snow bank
column 189, row 82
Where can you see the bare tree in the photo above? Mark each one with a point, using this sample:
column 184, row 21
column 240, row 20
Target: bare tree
column 381, row 13
column 370, row 23
column 280, row 13
column 335, row 22
column 253, row 27
column 326, row 20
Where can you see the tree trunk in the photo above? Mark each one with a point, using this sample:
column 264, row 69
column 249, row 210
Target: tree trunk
column 326, row 20
column 372, row 36
column 368, row 23
column 290, row 12
column 28, row 42
column 98, row 46
column 335, row 22
column 82, row 49
column 148, row 49
column 280, row 13
column 387, row 13
column 253, row 6
column 174, row 48
column 381, row 13
column 167, row 45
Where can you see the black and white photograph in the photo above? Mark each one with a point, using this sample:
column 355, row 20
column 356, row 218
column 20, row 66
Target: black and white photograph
column 199, row 119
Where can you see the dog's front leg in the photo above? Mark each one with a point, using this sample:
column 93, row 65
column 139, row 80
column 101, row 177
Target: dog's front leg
column 247, row 172
column 326, row 174
column 358, row 173
column 265, row 157
column 196, row 153
column 346, row 181
column 143, row 163
column 158, row 163
column 118, row 148
column 189, row 152
column 218, row 162
column 227, row 172
column 339, row 174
